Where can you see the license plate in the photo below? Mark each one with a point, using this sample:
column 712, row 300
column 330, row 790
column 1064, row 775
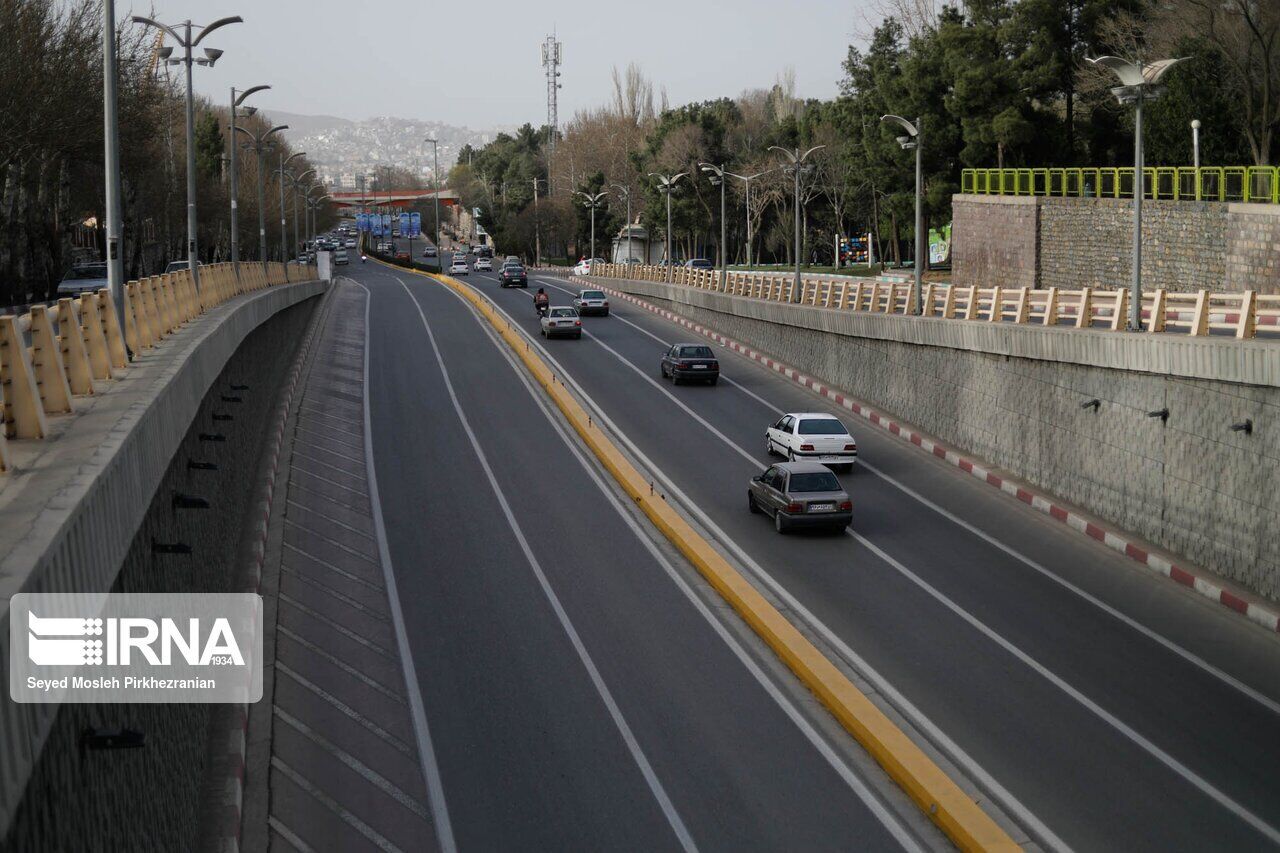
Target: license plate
column 699, row 367
column 822, row 507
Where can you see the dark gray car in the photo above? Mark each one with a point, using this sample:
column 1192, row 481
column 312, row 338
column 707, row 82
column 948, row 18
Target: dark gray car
column 800, row 494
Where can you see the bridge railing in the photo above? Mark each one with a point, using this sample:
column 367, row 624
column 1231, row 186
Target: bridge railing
column 1244, row 314
column 1257, row 184
column 52, row 354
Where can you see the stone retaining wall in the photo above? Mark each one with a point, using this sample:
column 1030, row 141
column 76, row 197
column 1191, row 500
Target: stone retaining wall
column 1087, row 242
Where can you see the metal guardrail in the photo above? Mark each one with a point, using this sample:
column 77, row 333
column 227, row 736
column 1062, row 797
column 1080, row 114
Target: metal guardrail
column 1258, row 184
column 1202, row 312
column 54, row 353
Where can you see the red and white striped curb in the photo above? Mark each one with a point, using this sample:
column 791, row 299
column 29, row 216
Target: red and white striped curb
column 1117, row 541
column 238, row 728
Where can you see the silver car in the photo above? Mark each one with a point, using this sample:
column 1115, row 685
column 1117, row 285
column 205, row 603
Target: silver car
column 561, row 321
column 800, row 494
column 591, row 302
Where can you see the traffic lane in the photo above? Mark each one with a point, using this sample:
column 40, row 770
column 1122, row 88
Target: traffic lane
column 888, row 521
column 519, row 731
column 1136, row 675
column 739, row 771
column 1207, row 630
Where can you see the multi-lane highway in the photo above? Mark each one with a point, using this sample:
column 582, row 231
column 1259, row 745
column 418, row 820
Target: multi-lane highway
column 584, row 689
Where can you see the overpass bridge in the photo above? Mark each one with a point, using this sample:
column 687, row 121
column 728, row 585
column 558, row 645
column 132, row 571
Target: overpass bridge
column 392, row 198
column 514, row 595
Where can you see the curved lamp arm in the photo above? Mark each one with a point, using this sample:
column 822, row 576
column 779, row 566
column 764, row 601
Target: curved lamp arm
column 221, row 22
column 247, row 92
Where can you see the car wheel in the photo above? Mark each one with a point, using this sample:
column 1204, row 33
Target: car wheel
column 779, row 523
column 791, row 455
column 675, row 380
column 769, row 452
column 662, row 370
column 713, row 380
column 578, row 336
column 752, row 506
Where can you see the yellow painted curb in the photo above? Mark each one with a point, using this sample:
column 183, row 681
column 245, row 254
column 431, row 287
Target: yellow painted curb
column 964, row 822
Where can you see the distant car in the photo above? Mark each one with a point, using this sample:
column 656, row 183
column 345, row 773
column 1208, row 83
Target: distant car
column 511, row 259
column 800, row 494
column 350, row 244
column 699, row 264
column 583, row 267
column 430, row 252
column 513, row 275
column 591, row 302
column 341, row 257
column 172, row 266
column 690, row 361
column 395, row 232
column 459, row 266
column 403, row 256
column 84, row 278
column 483, row 264
column 561, row 321
column 815, row 436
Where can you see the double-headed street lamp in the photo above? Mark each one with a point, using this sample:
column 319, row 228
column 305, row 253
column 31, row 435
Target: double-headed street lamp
column 592, row 203
column 625, row 192
column 746, row 181
column 188, row 42
column 1138, row 83
column 236, row 101
column 912, row 140
column 435, row 196
column 666, row 186
column 284, row 236
column 296, row 181
column 261, row 145
column 717, row 176
column 797, row 168
column 313, row 205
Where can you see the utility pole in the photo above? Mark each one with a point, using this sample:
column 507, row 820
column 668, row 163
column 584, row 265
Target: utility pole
column 537, row 226
column 111, row 160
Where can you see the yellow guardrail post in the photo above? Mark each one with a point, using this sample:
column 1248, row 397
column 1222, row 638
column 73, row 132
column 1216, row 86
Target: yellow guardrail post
column 46, row 364
column 95, row 341
column 23, row 412
column 75, row 360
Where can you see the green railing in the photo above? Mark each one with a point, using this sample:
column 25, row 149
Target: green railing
column 1259, row 184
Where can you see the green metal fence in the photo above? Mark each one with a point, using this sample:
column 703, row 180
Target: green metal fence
column 1208, row 183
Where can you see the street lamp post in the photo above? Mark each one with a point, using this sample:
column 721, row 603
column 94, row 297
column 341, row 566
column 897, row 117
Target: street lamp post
column 797, row 168
column 912, row 140
column 294, row 183
column 746, row 181
column 592, row 203
column 435, row 196
column 261, row 145
column 625, row 192
column 188, row 42
column 284, row 226
column 537, row 225
column 236, row 101
column 111, row 161
column 1138, row 82
column 1195, row 149
column 717, row 175
column 666, row 186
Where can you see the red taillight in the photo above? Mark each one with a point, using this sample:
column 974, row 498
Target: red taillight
column 851, row 447
column 604, row 304
column 794, row 508
column 845, row 506
column 806, row 447
column 577, row 322
column 683, row 365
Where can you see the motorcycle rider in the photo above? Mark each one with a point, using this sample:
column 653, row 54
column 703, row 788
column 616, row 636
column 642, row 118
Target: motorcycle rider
column 541, row 301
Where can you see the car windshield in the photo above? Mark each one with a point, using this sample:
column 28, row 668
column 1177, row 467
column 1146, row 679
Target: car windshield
column 562, row 312
column 696, row 352
column 89, row 271
column 817, row 481
column 591, row 294
column 822, row 426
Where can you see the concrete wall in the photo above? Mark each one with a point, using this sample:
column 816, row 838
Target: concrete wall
column 1011, row 394
column 80, row 512
column 1087, row 242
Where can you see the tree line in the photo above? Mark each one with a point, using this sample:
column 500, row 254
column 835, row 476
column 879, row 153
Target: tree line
column 51, row 154
column 996, row 83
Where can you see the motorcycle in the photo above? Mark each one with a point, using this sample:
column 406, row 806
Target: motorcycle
column 362, row 259
column 542, row 307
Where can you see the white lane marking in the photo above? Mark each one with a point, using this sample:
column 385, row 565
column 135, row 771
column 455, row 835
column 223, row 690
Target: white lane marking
column 1137, row 739
column 633, row 746
column 1147, row 632
column 841, row 767
column 984, row 780
column 346, row 710
column 289, row 835
column 324, row 799
column 426, row 753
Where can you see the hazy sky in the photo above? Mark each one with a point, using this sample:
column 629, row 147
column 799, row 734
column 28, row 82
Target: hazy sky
column 478, row 64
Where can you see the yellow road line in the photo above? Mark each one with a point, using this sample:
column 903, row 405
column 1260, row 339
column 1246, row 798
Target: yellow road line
column 964, row 822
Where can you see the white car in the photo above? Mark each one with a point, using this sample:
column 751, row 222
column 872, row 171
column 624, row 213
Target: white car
column 350, row 244
column 814, row 436
column 583, row 266
column 484, row 265
column 591, row 302
column 459, row 266
column 561, row 321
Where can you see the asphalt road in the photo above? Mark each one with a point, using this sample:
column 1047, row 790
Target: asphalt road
column 582, row 690
column 1103, row 707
